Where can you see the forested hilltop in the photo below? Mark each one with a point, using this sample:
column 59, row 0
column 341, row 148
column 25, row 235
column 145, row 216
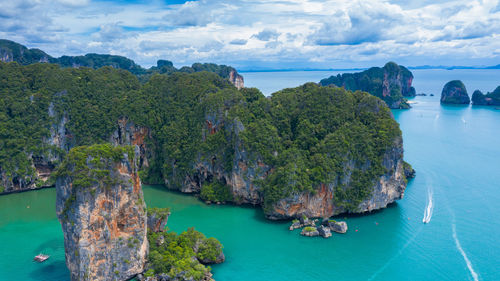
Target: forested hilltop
column 12, row 51
column 310, row 150
column 391, row 83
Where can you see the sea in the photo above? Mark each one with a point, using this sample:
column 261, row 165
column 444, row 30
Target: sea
column 455, row 151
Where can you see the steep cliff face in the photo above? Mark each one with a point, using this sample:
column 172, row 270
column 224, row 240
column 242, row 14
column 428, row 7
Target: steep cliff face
column 454, row 92
column 236, row 79
column 387, row 189
column 101, row 209
column 128, row 133
column 245, row 170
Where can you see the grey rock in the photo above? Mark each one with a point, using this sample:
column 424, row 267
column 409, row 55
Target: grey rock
column 324, row 231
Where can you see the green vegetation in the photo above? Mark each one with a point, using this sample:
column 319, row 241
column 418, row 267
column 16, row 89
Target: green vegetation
column 159, row 212
column 454, row 92
column 90, row 165
column 176, row 254
column 307, row 136
column 309, row 229
column 19, row 53
column 216, row 192
column 372, row 81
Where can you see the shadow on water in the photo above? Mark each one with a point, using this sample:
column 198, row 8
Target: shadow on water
column 50, row 270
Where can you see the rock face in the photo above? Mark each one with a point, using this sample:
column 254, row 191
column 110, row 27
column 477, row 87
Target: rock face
column 454, row 92
column 157, row 219
column 389, row 188
column 324, row 231
column 236, row 79
column 128, row 133
column 390, row 83
column 242, row 175
column 493, row 98
column 101, row 209
column 337, row 226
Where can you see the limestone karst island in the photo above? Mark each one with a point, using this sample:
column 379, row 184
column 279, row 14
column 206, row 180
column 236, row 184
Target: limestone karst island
column 266, row 140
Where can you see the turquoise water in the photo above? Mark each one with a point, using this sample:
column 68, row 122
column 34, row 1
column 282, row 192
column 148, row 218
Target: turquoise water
column 455, row 150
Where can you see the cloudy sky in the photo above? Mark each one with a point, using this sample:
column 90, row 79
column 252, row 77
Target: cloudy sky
column 257, row 34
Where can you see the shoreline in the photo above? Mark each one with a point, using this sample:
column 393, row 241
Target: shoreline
column 26, row 190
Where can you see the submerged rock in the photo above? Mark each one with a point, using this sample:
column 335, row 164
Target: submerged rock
column 101, row 208
column 454, row 92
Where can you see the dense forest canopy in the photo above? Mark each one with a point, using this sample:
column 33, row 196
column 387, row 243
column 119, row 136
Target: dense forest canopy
column 306, row 135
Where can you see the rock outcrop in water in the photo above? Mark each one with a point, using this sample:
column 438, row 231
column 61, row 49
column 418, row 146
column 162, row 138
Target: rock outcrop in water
column 454, row 92
column 391, row 83
column 493, row 98
column 102, row 212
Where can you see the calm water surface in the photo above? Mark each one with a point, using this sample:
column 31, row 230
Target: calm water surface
column 455, row 150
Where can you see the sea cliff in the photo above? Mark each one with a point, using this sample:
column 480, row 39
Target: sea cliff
column 102, row 212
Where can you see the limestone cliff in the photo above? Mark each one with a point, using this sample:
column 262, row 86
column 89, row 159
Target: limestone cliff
column 243, row 174
column 248, row 170
column 387, row 189
column 236, row 79
column 103, row 216
column 454, row 92
column 128, row 133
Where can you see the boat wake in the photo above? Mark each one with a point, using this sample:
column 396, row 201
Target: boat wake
column 430, row 207
column 461, row 250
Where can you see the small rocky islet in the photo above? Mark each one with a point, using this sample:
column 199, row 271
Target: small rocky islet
column 454, row 92
column 310, row 229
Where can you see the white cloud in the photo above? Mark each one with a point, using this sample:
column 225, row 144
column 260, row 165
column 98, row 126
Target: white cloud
column 242, row 32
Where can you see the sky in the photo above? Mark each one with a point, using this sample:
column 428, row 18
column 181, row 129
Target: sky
column 262, row 34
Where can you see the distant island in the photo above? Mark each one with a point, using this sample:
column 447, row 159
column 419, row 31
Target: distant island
column 391, row 83
column 491, row 98
column 12, row 51
column 454, row 92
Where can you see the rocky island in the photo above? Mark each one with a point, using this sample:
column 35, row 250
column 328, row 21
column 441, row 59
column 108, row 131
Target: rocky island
column 454, row 92
column 391, row 83
column 311, row 150
column 493, row 98
column 108, row 232
column 102, row 212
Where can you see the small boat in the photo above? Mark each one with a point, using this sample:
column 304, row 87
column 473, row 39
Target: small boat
column 41, row 258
